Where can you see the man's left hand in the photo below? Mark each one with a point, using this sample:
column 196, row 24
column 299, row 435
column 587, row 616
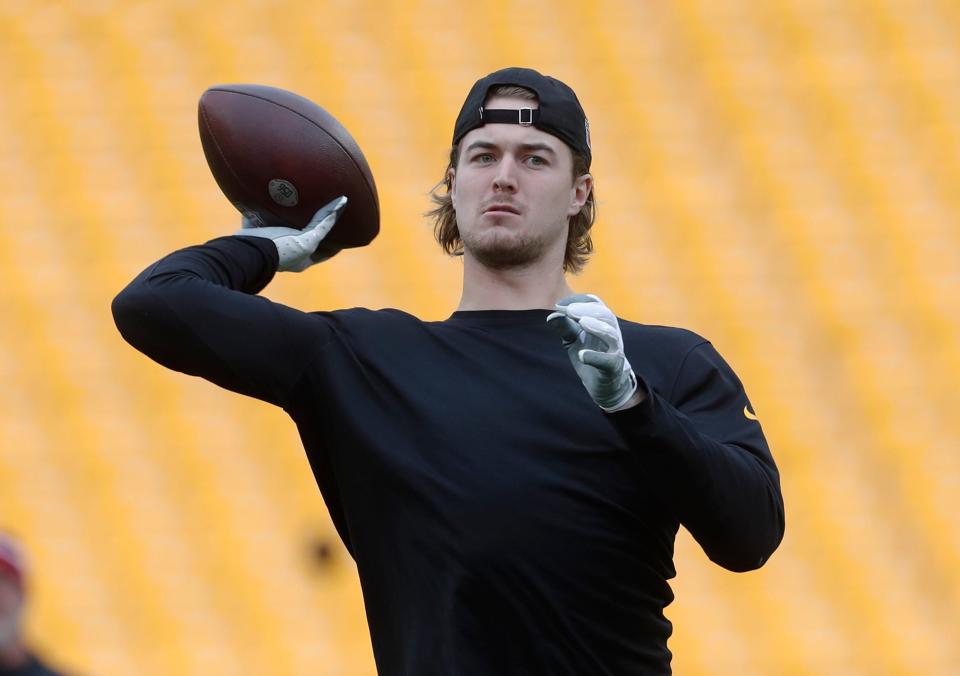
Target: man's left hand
column 591, row 334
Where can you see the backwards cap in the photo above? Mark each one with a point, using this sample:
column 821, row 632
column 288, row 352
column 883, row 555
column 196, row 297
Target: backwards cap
column 560, row 113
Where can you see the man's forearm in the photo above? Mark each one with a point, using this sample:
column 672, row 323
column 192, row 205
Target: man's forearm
column 195, row 311
column 727, row 496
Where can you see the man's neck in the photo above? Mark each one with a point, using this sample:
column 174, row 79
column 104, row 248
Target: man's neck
column 540, row 285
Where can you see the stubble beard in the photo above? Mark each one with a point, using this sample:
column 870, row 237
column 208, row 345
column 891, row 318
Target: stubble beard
column 500, row 250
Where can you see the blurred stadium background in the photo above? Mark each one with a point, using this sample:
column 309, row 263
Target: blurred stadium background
column 780, row 176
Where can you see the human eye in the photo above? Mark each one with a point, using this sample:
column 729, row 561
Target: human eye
column 482, row 158
column 536, row 161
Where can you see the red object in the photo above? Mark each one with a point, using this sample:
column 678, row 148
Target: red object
column 279, row 157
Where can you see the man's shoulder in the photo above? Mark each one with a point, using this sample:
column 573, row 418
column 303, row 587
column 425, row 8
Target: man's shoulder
column 657, row 353
column 670, row 339
column 363, row 315
column 357, row 322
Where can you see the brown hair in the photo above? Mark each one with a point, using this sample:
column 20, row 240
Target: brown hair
column 579, row 244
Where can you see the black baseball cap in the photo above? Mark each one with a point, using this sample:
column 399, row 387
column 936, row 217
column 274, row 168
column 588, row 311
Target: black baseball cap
column 560, row 113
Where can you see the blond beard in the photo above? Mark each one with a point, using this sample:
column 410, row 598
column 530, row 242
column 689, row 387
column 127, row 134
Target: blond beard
column 499, row 251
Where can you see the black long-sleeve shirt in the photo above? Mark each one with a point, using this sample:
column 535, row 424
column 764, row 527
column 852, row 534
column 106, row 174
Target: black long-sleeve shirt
column 501, row 522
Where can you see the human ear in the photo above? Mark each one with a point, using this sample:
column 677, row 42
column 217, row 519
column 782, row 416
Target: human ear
column 452, row 175
column 582, row 187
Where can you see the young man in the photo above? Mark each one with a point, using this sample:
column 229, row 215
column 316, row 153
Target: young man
column 508, row 514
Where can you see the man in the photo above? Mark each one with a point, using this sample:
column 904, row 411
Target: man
column 16, row 659
column 508, row 514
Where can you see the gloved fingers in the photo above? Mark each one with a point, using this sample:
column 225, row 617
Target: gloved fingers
column 609, row 335
column 577, row 298
column 326, row 217
column 320, row 225
column 592, row 309
column 566, row 328
column 609, row 363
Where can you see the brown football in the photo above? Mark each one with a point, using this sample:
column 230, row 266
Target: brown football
column 279, row 157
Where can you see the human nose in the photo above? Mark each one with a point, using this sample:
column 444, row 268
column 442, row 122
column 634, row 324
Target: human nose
column 505, row 179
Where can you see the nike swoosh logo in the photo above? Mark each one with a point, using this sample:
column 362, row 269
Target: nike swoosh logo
column 749, row 415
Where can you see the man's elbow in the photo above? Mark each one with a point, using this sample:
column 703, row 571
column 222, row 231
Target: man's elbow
column 133, row 313
column 742, row 562
column 744, row 549
column 125, row 309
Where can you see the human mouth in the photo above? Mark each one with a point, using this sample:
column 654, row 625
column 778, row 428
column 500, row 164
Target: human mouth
column 501, row 209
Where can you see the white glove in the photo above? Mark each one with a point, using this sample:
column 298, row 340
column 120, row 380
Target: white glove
column 590, row 332
column 299, row 249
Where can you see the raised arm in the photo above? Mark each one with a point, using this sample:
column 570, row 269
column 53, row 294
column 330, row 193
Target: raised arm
column 195, row 311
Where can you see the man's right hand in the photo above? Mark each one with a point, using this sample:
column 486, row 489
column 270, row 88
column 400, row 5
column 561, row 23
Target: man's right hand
column 299, row 249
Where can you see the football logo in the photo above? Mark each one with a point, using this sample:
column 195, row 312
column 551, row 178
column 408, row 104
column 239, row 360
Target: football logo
column 283, row 192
